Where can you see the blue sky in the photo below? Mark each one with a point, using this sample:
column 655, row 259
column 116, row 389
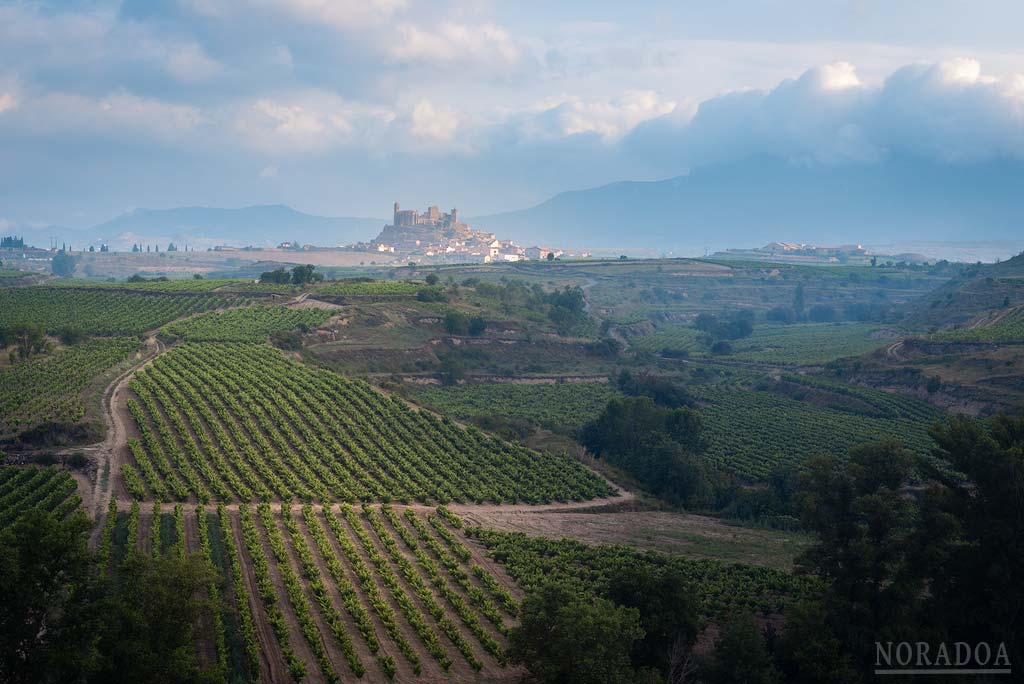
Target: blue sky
column 340, row 107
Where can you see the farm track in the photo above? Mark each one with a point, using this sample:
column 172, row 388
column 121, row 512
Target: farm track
column 107, row 454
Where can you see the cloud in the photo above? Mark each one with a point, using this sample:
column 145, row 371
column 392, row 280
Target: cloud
column 117, row 116
column 948, row 112
column 609, row 119
column 452, row 42
column 430, row 125
column 190, row 64
column 307, row 122
column 7, row 102
column 268, row 172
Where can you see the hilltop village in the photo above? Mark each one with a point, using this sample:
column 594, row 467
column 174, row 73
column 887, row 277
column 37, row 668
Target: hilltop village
column 440, row 237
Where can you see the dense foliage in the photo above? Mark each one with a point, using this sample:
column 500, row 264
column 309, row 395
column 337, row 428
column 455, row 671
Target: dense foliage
column 936, row 562
column 659, row 446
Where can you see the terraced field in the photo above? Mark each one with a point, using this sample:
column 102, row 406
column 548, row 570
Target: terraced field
column 799, row 343
column 376, row 288
column 241, row 422
column 1009, row 328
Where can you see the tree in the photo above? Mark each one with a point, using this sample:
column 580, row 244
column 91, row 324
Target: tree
column 741, row 655
column 456, row 323
column 278, row 276
column 147, row 633
column 451, row 370
column 567, row 637
column 551, row 256
column 798, row 300
column 432, row 279
column 864, row 525
column 477, row 325
column 658, row 446
column 63, row 264
column 302, row 275
column 969, row 542
column 44, row 585
column 822, row 313
column 665, row 601
column 27, row 338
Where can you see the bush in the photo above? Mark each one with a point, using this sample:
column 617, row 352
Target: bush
column 721, row 348
column 431, row 294
column 780, row 314
column 822, row 313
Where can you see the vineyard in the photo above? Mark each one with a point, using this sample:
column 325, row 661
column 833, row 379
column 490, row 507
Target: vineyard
column 331, row 594
column 750, row 432
column 57, row 383
column 25, row 489
column 1009, row 329
column 181, row 285
column 721, row 588
column 801, row 343
column 241, row 422
column 100, row 312
column 249, row 324
column 564, row 405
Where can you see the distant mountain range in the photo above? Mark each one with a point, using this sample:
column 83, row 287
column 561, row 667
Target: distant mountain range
column 743, row 204
column 753, row 202
column 202, row 227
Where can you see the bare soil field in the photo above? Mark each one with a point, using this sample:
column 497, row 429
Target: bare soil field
column 686, row 534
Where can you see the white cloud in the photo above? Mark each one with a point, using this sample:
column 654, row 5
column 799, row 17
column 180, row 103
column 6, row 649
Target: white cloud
column 432, row 125
column 610, row 119
column 190, row 64
column 118, row 116
column 268, row 172
column 454, row 42
column 7, row 101
column 308, row 122
column 949, row 111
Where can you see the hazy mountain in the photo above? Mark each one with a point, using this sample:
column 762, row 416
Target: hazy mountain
column 259, row 225
column 753, row 202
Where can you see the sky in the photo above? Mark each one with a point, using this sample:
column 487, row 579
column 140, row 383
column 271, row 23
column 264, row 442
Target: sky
column 340, row 107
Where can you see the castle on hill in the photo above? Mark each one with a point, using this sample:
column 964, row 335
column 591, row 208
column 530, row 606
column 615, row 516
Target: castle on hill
column 442, row 237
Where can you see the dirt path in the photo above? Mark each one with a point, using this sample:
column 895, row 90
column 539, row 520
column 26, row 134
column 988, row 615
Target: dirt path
column 107, row 455
column 988, row 319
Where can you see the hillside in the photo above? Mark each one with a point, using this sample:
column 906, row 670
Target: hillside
column 262, row 225
column 752, row 203
column 257, row 225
